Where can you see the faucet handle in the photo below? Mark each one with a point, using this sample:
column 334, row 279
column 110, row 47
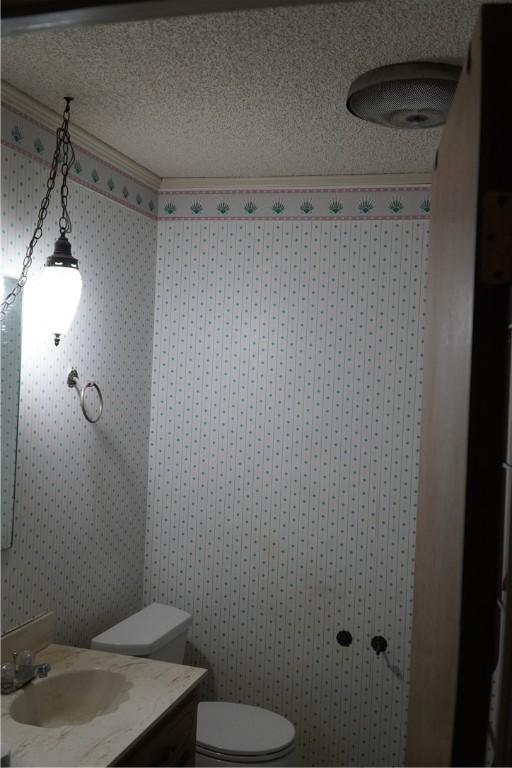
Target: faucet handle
column 43, row 669
column 8, row 677
column 8, row 671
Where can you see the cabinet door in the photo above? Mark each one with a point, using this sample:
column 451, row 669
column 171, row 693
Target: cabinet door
column 172, row 741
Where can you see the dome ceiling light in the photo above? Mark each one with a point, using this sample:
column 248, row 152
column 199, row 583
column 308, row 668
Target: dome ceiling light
column 410, row 95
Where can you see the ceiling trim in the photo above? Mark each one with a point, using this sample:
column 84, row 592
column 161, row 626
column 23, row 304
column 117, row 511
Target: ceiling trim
column 169, row 184
column 50, row 119
column 87, row 141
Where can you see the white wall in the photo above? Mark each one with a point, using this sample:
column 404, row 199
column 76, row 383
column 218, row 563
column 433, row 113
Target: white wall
column 81, row 488
column 283, row 457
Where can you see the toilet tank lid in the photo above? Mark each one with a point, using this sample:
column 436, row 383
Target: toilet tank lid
column 144, row 632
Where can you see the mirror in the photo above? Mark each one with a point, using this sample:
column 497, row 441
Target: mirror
column 10, row 366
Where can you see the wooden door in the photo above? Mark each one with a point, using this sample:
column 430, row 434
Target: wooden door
column 460, row 506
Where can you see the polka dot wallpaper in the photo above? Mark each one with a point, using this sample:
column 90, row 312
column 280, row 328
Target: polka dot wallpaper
column 10, row 359
column 80, row 509
column 283, row 459
column 279, row 393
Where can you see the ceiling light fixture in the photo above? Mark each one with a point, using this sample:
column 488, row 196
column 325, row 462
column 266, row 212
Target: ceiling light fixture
column 61, row 281
column 416, row 94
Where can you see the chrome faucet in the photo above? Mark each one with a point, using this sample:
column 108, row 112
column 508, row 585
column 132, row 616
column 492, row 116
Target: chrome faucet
column 21, row 671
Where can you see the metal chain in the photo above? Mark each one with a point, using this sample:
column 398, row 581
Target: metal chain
column 68, row 158
column 63, row 148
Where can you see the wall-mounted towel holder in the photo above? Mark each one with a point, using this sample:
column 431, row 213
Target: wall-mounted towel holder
column 73, row 382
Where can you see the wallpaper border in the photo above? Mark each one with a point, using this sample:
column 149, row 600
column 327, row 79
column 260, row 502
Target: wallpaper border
column 21, row 133
column 297, row 204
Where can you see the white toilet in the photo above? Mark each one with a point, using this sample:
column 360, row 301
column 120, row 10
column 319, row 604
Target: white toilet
column 227, row 733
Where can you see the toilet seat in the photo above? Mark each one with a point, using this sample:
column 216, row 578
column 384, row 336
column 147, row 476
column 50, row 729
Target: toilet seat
column 240, row 733
column 262, row 757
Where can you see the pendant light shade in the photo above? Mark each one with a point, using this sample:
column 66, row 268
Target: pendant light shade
column 61, row 286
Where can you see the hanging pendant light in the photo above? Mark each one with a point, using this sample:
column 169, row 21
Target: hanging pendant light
column 61, row 286
column 61, row 283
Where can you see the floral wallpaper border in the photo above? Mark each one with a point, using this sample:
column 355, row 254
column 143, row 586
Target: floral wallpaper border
column 297, row 204
column 23, row 134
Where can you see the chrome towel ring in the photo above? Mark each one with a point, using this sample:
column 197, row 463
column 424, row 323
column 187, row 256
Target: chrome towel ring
column 73, row 382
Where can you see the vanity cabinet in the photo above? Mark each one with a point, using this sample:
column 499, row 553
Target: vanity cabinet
column 170, row 742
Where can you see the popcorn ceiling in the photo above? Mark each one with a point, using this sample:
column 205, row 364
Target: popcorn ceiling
column 253, row 93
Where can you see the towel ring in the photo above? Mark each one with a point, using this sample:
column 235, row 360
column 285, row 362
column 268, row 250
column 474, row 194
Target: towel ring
column 73, row 382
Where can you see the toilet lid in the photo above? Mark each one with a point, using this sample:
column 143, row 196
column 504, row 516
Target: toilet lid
column 240, row 729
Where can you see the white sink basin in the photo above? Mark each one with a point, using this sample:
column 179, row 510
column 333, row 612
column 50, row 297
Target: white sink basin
column 69, row 698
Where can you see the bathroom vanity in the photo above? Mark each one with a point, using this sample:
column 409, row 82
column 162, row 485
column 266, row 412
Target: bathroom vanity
column 171, row 741
column 102, row 709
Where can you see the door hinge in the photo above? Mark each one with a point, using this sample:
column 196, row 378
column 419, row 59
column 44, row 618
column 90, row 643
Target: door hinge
column 496, row 253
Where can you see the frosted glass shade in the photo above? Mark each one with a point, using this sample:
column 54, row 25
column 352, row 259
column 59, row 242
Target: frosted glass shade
column 61, row 287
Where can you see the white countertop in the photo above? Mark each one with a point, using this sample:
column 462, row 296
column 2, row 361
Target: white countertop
column 154, row 688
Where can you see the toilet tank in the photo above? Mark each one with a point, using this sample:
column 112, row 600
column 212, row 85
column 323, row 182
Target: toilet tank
column 157, row 632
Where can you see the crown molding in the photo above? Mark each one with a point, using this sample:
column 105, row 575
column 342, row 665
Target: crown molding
column 50, row 119
column 11, row 96
column 170, row 184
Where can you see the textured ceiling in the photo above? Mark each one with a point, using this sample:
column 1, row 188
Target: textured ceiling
column 254, row 93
